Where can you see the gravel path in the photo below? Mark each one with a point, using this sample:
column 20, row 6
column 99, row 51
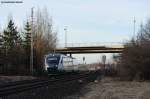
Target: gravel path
column 109, row 88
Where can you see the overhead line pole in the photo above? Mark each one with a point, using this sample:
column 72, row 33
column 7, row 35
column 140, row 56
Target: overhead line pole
column 31, row 54
column 134, row 21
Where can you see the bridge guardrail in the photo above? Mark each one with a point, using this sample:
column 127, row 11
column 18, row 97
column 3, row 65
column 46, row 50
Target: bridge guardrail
column 93, row 44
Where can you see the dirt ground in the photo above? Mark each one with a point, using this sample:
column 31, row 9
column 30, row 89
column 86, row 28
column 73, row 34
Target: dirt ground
column 109, row 88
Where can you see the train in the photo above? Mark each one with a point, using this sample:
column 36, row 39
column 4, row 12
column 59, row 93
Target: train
column 60, row 62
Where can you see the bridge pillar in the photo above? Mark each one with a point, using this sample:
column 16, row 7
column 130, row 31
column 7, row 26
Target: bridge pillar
column 70, row 55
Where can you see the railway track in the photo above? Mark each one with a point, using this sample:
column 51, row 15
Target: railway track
column 22, row 86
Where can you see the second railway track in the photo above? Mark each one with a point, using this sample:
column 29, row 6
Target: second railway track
column 21, row 86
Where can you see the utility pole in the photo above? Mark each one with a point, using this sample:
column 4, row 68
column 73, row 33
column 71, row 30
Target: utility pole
column 65, row 29
column 104, row 60
column 83, row 60
column 31, row 54
column 104, row 64
column 134, row 22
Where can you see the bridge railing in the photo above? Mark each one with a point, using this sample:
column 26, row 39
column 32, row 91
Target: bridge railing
column 93, row 44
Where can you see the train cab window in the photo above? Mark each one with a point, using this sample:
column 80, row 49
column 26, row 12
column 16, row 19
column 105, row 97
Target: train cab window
column 53, row 60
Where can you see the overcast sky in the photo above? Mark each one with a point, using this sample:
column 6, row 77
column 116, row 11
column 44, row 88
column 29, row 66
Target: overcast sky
column 87, row 20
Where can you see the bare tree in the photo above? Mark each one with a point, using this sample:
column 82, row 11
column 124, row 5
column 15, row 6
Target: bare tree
column 44, row 37
column 135, row 59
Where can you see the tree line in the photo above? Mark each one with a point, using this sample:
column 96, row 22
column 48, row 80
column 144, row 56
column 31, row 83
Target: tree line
column 15, row 45
column 135, row 60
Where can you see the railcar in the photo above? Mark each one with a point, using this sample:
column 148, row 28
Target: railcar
column 60, row 62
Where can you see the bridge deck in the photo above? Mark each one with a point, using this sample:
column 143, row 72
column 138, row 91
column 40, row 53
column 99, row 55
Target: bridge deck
column 95, row 49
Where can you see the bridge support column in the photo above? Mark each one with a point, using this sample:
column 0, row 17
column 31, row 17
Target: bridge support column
column 70, row 55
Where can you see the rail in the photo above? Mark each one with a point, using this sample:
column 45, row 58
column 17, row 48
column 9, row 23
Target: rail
column 21, row 86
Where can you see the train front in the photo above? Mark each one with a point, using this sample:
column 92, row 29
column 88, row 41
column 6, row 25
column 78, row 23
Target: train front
column 52, row 62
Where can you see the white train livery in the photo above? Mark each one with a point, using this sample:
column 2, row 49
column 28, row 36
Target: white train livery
column 60, row 62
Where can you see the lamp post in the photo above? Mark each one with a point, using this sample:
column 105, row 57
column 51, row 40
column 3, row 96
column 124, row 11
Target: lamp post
column 65, row 29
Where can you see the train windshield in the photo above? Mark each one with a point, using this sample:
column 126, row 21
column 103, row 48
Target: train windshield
column 53, row 60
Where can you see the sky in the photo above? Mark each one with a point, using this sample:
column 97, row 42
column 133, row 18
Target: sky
column 87, row 21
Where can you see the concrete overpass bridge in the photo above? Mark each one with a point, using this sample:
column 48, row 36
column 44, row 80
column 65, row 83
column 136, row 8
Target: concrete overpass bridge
column 112, row 48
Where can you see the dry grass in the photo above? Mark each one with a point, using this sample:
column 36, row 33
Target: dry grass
column 109, row 88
